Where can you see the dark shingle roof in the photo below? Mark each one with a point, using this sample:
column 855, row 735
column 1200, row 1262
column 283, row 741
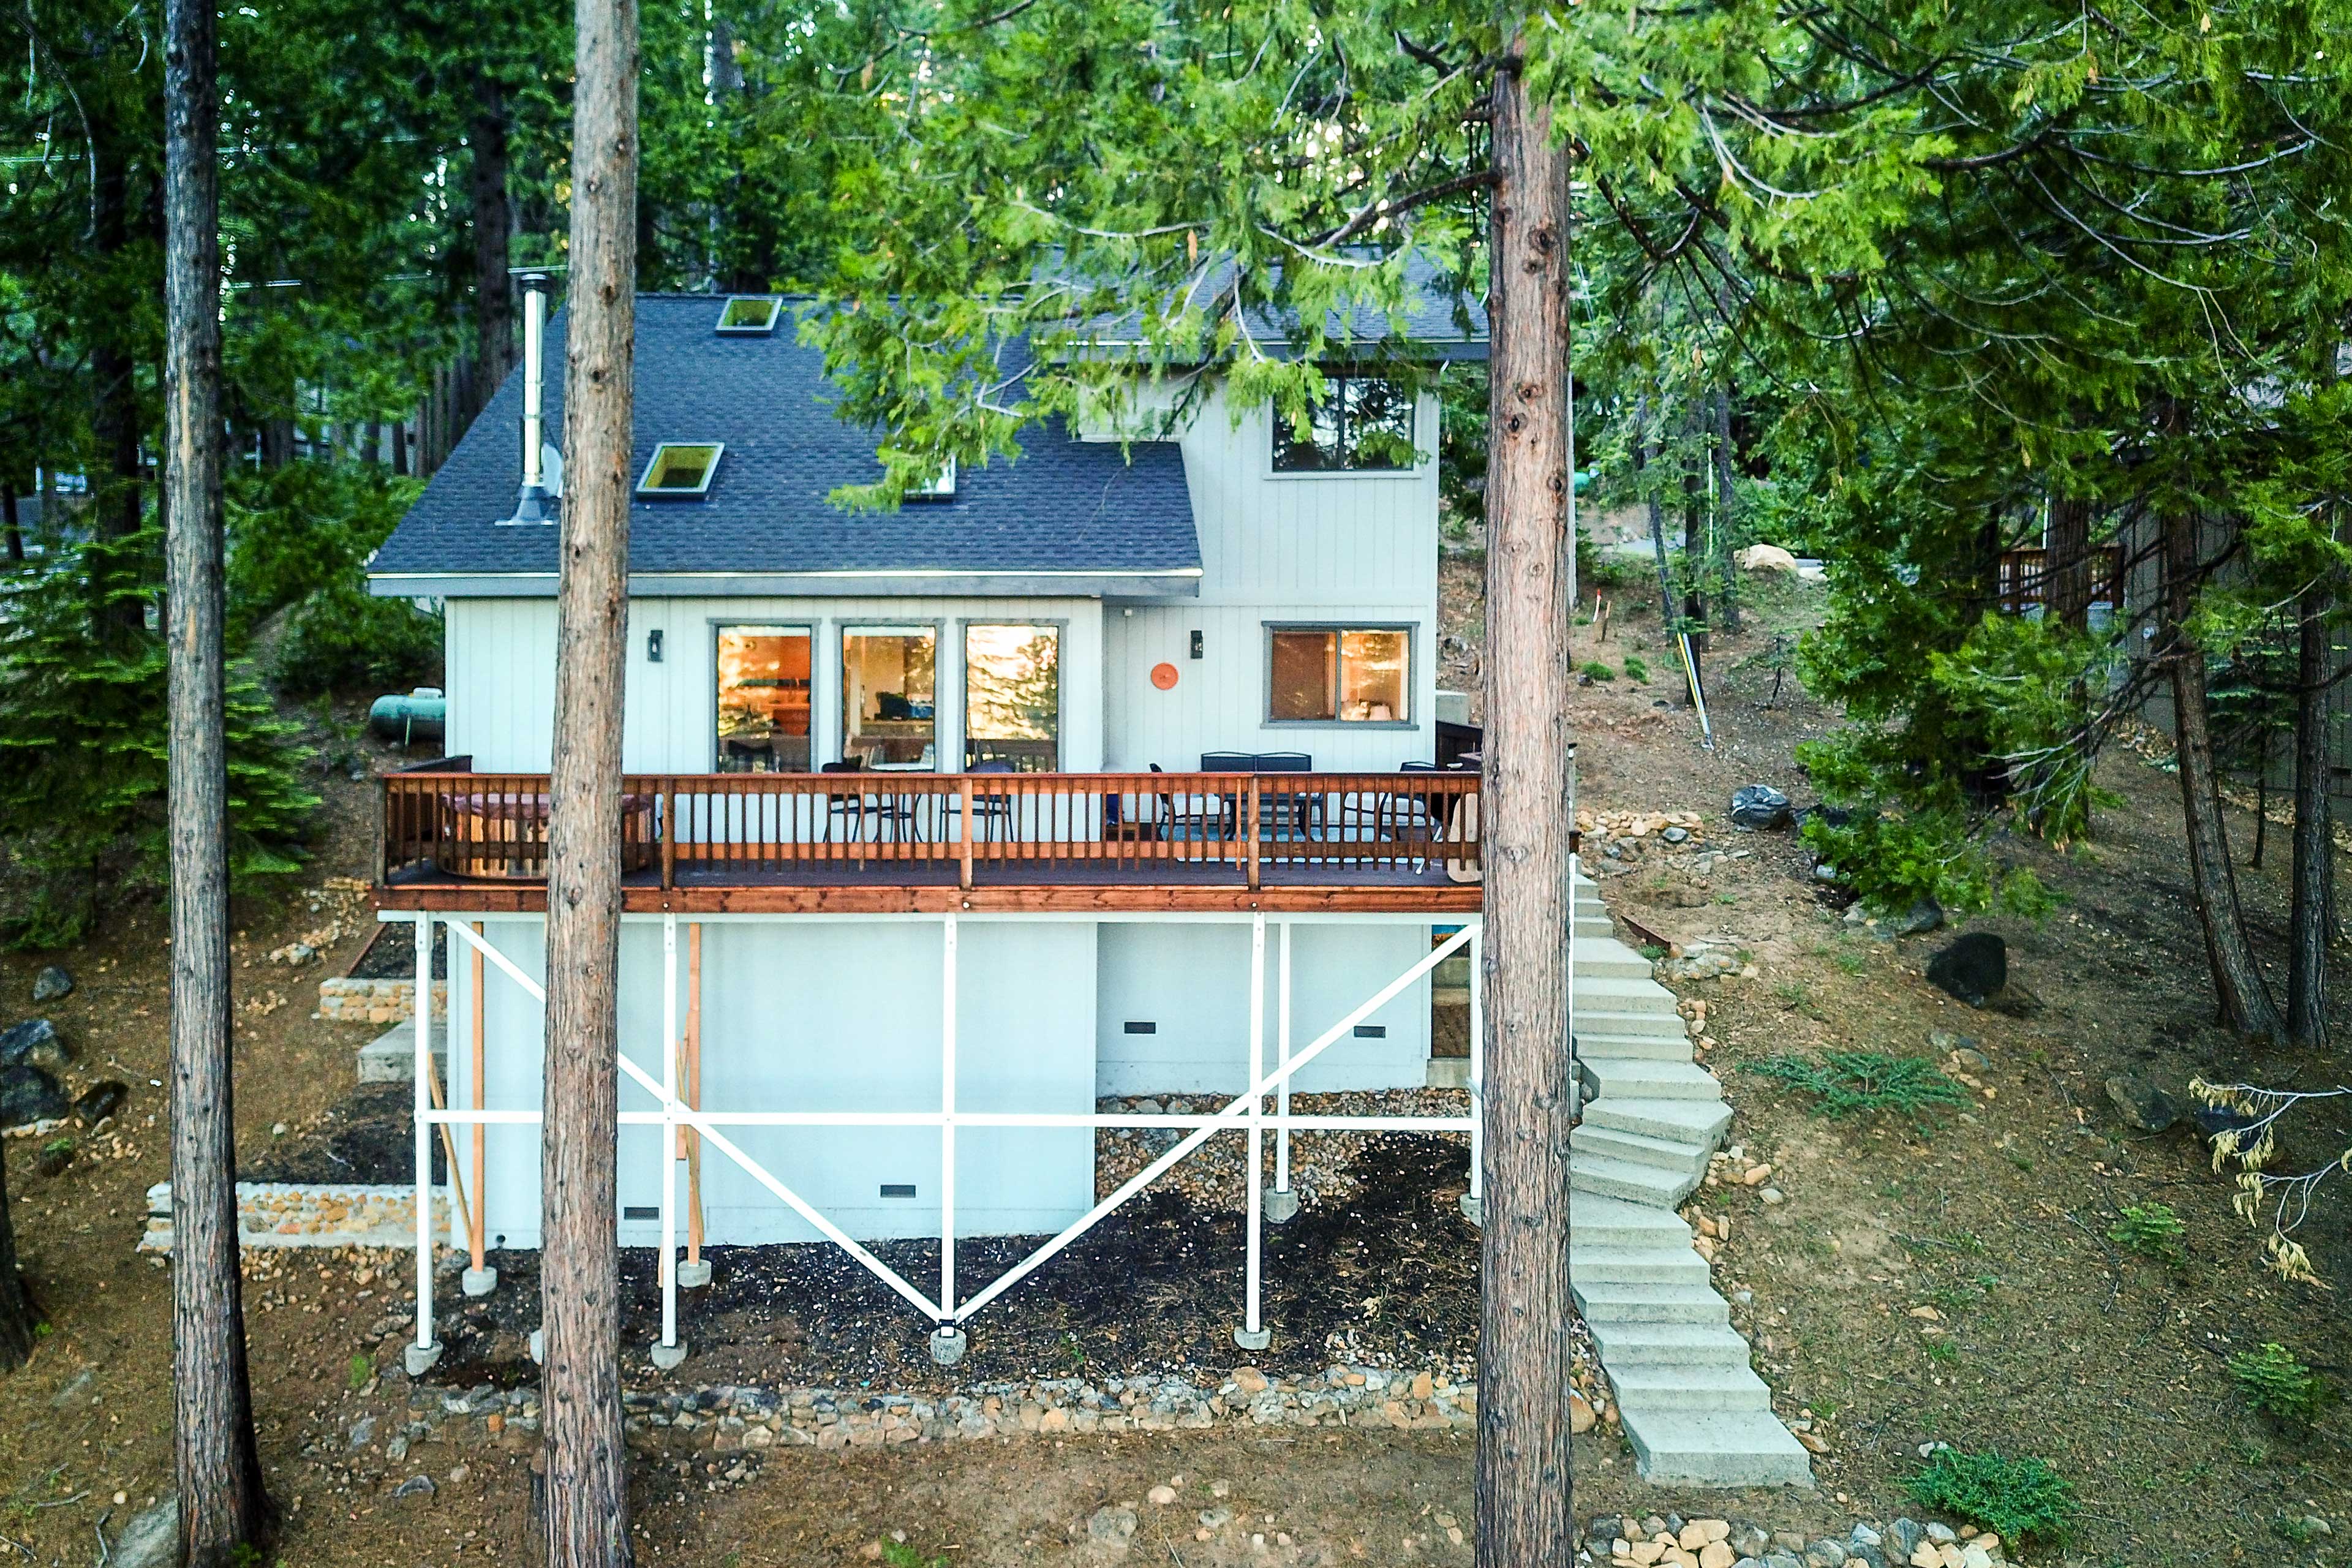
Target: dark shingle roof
column 1087, row 515
column 1439, row 319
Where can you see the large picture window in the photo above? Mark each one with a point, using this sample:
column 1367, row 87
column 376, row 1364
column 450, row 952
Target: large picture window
column 1362, row 423
column 1339, row 675
column 890, row 713
column 1012, row 698
column 763, row 700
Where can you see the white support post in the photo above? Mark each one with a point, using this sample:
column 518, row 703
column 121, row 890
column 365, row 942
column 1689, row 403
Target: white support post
column 1252, row 1336
column 668, row 1352
column 947, row 1339
column 1474, row 1201
column 1281, row 1203
column 426, row 1350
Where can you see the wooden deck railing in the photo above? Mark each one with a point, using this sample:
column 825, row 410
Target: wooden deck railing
column 1122, row 825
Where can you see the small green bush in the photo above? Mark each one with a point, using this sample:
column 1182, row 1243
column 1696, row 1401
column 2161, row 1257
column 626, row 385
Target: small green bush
column 1597, row 670
column 344, row 639
column 1848, row 1083
column 2274, row 1382
column 1636, row 670
column 362, row 1370
column 2150, row 1230
column 2024, row 1499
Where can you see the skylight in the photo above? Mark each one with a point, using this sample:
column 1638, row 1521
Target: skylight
column 680, row 472
column 750, row 315
column 941, row 489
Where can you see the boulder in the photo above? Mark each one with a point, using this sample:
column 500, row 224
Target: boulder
column 28, row 1095
column 50, row 984
column 1759, row 806
column 101, row 1101
column 1971, row 969
column 1924, row 916
column 1766, row 558
column 2144, row 1105
column 151, row 1539
column 33, row 1043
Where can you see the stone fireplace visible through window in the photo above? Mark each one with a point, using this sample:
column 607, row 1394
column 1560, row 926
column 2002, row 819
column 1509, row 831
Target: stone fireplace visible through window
column 890, row 713
column 763, row 700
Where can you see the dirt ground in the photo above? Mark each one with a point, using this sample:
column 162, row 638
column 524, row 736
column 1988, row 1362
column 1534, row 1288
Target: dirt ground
column 2048, row 1339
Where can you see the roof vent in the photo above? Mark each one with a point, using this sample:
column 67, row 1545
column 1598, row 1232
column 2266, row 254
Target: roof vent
column 679, row 472
column 750, row 315
column 535, row 502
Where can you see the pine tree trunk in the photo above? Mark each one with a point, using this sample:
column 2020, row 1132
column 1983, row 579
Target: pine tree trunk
column 17, row 1319
column 493, row 223
column 1522, row 1481
column 1694, row 542
column 587, row 1516
column 2066, row 565
column 9, row 524
column 2244, row 1001
column 224, row 1511
column 2315, row 848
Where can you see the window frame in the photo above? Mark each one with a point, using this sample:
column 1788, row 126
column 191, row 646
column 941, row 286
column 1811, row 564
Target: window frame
column 1412, row 630
column 1334, row 380
column 903, row 625
column 1061, row 630
column 762, row 329
column 814, row 632
column 645, row 490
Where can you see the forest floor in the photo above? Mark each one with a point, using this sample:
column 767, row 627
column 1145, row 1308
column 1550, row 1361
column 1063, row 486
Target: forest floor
column 2048, row 1338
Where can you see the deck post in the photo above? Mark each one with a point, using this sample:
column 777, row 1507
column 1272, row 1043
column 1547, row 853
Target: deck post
column 1474, row 1201
column 426, row 1350
column 1281, row 1203
column 1252, row 1336
column 479, row 1278
column 1255, row 873
column 964, row 800
column 668, row 1352
column 948, row 1339
column 694, row 1273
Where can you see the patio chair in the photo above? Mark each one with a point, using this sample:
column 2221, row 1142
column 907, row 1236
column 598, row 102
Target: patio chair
column 991, row 807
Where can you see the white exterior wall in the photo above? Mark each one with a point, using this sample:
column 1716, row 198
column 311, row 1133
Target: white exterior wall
column 1338, row 549
column 501, row 674
column 813, row 1015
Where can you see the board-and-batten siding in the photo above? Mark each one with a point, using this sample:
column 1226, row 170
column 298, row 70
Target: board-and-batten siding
column 501, row 662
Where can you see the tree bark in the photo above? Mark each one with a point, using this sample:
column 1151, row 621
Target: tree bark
column 2315, row 848
column 1523, row 1482
column 2067, row 563
column 224, row 1511
column 1696, row 555
column 10, row 524
column 586, row 1524
column 17, row 1319
column 493, row 221
column 2244, row 1001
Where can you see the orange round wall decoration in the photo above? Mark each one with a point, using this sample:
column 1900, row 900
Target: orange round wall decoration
column 1163, row 676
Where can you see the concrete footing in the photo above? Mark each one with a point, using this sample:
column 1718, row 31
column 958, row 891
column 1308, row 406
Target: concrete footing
column 1474, row 1209
column 948, row 1345
column 1281, row 1206
column 539, row 1346
column 479, row 1281
column 1252, row 1339
column 694, row 1275
column 668, row 1358
column 420, row 1358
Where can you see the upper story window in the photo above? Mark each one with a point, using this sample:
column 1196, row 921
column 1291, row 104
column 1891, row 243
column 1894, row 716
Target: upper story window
column 763, row 700
column 680, row 472
column 1362, row 424
column 1338, row 675
column 1012, row 697
column 750, row 315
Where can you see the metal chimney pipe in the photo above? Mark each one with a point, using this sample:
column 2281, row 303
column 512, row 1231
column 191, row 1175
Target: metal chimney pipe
column 534, row 502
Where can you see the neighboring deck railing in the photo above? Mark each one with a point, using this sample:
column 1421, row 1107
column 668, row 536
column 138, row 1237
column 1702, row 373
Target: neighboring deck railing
column 493, row 826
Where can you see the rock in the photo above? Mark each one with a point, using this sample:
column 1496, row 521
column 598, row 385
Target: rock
column 1677, row 834
column 1905, row 1536
column 1940, row 1533
column 1160, row 1496
column 1824, row 1554
column 1580, row 1418
column 1971, row 969
column 2213, row 1121
column 50, row 984
column 415, row 1486
column 151, row 1539
column 1249, row 1380
column 55, row 1157
column 33, row 1043
column 1766, row 558
column 1865, row 1554
column 1111, row 1526
column 1773, row 1197
column 2142, row 1104
column 1217, row 1518
column 1759, row 806
column 28, row 1095
column 1945, row 1040
column 1715, row 1554
column 101, row 1101
column 1924, row 915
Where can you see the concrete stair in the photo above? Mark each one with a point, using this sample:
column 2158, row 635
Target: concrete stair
column 1693, row 1407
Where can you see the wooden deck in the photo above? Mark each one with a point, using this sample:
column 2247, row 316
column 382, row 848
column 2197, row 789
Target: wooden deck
column 898, row 843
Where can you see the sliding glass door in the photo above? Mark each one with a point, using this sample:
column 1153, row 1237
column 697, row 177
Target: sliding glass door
column 889, row 693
